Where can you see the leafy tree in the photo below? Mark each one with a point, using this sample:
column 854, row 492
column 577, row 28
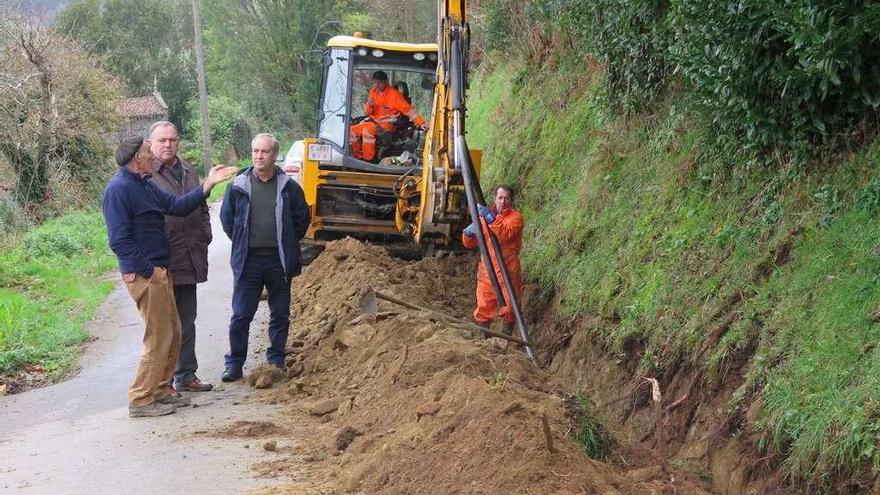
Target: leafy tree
column 790, row 75
column 54, row 110
column 229, row 125
column 266, row 54
column 413, row 21
column 143, row 43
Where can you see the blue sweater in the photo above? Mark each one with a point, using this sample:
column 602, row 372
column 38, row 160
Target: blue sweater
column 133, row 211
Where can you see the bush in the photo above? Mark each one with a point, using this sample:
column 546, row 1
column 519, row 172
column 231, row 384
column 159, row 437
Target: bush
column 795, row 78
column 228, row 125
column 12, row 218
column 64, row 237
column 629, row 37
column 512, row 27
column 868, row 199
column 787, row 75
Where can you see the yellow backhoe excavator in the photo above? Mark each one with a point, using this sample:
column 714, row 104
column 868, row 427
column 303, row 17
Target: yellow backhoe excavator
column 412, row 189
column 421, row 187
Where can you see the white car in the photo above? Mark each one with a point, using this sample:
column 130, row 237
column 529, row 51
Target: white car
column 293, row 162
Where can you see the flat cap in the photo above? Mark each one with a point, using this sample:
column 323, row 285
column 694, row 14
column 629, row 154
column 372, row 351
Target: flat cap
column 127, row 148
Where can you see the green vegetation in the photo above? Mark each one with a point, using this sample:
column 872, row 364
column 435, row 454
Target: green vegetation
column 765, row 278
column 789, row 78
column 594, row 438
column 229, row 126
column 143, row 45
column 51, row 281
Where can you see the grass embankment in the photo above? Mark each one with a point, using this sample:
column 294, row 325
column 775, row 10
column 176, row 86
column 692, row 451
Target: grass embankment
column 640, row 223
column 51, row 281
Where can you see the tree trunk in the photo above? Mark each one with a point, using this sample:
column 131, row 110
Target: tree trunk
column 33, row 171
column 203, row 85
column 409, row 21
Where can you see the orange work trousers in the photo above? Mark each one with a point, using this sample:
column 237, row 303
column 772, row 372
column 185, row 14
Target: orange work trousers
column 155, row 301
column 362, row 137
column 487, row 303
column 363, row 140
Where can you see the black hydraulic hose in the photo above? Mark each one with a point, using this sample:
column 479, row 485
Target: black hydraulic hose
column 472, row 190
column 479, row 191
column 463, row 159
column 457, row 73
column 475, row 196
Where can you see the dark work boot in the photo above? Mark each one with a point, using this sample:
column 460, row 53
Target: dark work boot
column 231, row 375
column 486, row 325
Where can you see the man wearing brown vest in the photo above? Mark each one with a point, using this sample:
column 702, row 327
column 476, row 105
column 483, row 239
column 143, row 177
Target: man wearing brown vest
column 189, row 237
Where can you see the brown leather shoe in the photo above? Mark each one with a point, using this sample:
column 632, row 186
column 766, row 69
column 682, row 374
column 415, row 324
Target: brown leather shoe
column 195, row 385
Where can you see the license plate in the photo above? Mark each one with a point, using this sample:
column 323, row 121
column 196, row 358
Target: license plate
column 319, row 152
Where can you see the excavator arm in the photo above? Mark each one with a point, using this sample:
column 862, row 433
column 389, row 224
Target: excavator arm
column 451, row 190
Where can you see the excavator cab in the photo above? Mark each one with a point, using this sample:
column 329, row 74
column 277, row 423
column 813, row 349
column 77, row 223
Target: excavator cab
column 350, row 196
column 403, row 136
column 349, row 64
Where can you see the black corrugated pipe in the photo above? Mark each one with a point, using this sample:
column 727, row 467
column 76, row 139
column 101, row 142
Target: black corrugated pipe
column 463, row 161
column 475, row 196
column 462, row 149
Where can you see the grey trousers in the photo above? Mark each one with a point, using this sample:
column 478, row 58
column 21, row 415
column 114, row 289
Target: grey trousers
column 185, row 297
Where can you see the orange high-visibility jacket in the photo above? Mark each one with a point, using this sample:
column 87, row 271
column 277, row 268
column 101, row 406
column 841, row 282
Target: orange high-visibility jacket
column 508, row 228
column 385, row 107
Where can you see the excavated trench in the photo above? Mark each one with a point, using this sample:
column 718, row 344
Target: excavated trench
column 401, row 402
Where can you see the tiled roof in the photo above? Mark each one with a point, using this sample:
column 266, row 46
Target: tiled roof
column 142, row 106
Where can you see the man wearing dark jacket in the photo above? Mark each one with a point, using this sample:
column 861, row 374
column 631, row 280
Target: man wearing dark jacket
column 134, row 212
column 189, row 237
column 265, row 215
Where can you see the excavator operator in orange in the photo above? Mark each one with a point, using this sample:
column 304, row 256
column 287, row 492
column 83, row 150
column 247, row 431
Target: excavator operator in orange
column 384, row 106
column 507, row 225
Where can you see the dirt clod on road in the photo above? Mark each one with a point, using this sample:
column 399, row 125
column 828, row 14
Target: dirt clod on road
column 399, row 402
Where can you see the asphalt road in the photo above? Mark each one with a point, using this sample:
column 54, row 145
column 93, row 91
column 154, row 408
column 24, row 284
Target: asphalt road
column 76, row 437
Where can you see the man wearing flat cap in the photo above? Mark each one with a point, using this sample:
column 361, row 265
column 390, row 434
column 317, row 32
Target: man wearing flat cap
column 134, row 210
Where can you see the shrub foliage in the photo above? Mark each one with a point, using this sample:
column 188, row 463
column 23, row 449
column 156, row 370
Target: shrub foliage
column 793, row 73
column 791, row 76
column 629, row 37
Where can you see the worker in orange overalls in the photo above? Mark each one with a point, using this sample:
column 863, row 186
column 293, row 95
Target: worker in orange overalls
column 507, row 224
column 384, row 106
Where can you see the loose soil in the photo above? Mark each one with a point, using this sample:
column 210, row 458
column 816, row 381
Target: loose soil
column 400, row 402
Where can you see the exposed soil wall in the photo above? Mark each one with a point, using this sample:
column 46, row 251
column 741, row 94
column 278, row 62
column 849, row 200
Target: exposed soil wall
column 689, row 428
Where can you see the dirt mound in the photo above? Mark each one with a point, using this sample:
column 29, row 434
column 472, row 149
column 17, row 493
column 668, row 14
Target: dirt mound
column 264, row 376
column 399, row 402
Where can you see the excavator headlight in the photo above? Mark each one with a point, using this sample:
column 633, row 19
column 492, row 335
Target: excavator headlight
column 378, row 53
column 419, row 56
column 362, row 51
column 432, row 57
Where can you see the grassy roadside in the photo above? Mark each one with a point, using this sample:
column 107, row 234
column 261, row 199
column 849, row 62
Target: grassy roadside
column 51, row 280
column 636, row 222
